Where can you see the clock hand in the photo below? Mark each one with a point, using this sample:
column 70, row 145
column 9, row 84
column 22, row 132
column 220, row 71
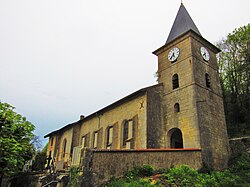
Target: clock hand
column 173, row 56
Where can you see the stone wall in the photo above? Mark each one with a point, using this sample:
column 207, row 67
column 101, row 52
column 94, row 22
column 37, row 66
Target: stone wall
column 155, row 125
column 100, row 165
column 210, row 110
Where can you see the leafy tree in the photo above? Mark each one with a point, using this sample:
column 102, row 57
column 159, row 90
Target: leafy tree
column 234, row 67
column 15, row 140
column 40, row 161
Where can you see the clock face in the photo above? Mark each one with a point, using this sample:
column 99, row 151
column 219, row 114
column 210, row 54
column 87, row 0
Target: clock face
column 205, row 54
column 173, row 54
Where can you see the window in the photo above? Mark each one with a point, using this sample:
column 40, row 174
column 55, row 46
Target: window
column 175, row 81
column 109, row 137
column 208, row 82
column 130, row 129
column 64, row 147
column 176, row 107
column 95, row 140
column 83, row 142
column 127, row 133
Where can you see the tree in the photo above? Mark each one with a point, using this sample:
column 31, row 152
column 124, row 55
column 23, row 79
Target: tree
column 15, row 141
column 40, row 159
column 234, row 68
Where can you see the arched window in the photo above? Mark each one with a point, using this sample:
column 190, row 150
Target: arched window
column 64, row 147
column 176, row 140
column 175, row 81
column 176, row 107
column 128, row 134
column 125, row 132
column 208, row 82
column 109, row 137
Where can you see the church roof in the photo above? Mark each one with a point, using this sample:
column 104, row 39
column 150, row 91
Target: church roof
column 107, row 108
column 182, row 24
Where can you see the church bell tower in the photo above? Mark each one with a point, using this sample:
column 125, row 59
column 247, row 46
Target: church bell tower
column 192, row 98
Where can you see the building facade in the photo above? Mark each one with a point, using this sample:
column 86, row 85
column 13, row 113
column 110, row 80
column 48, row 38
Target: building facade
column 185, row 110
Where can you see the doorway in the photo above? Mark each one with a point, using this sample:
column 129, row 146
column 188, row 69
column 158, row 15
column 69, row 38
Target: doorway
column 176, row 140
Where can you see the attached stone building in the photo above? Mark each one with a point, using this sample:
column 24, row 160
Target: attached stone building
column 185, row 110
column 125, row 124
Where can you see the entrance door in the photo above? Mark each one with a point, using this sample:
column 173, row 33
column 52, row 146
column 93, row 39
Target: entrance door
column 176, row 138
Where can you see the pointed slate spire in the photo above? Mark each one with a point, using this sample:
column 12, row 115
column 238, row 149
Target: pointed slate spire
column 182, row 24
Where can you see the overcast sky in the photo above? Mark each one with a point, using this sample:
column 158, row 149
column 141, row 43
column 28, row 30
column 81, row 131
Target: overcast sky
column 63, row 58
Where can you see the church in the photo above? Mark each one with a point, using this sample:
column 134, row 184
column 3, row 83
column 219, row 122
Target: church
column 184, row 111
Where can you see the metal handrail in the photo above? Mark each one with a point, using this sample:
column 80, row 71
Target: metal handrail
column 49, row 183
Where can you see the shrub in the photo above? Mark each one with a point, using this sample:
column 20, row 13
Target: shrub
column 139, row 182
column 241, row 163
column 140, row 171
column 186, row 176
column 182, row 176
column 73, row 176
column 224, row 178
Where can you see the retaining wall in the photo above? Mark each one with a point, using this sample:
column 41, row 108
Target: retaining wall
column 101, row 165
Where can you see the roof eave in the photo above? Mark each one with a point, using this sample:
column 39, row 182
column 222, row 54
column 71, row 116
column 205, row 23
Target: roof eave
column 105, row 109
column 215, row 49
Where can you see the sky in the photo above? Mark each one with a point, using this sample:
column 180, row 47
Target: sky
column 60, row 59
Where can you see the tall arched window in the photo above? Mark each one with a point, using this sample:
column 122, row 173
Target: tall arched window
column 127, row 136
column 64, row 147
column 109, row 137
column 125, row 132
column 208, row 82
column 176, row 107
column 175, row 81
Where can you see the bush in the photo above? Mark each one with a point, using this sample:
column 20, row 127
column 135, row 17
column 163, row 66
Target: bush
column 224, row 178
column 241, row 163
column 186, row 176
column 73, row 176
column 139, row 182
column 181, row 176
column 140, row 171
